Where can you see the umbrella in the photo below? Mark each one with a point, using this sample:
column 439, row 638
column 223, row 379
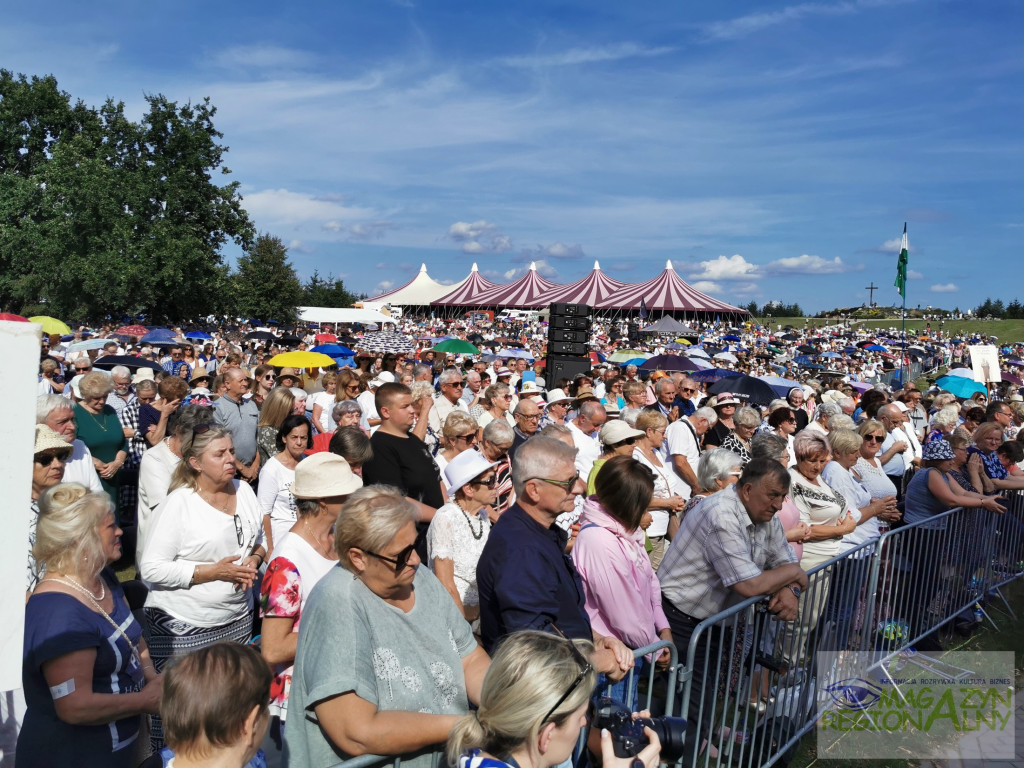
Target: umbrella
column 522, row 354
column 1012, row 379
column 727, row 356
column 861, row 386
column 780, row 385
column 675, row 346
column 875, row 348
column 289, row 340
column 386, row 341
column 806, row 349
column 637, row 361
column 333, row 350
column 128, row 361
column 261, row 335
column 669, row 363
column 157, row 334
column 698, row 352
column 960, row 386
column 789, row 337
column 831, row 354
column 730, row 337
column 754, row 390
column 687, row 342
column 623, row 355
column 711, row 375
column 51, row 324
column 132, row 330
column 78, row 346
column 775, row 350
column 965, row 373
column 475, row 338
column 199, row 335
column 301, row 360
column 12, row 318
column 457, row 347
column 325, row 338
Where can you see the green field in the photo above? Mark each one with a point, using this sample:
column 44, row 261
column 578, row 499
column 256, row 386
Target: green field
column 1005, row 330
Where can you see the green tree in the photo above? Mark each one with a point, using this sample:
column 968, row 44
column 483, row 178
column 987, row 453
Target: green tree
column 751, row 308
column 265, row 284
column 326, row 292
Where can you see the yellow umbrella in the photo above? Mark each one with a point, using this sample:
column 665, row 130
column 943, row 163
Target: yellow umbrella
column 302, row 359
column 51, row 325
column 684, row 341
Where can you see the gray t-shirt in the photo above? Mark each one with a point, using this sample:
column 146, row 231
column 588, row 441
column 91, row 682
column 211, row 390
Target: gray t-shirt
column 352, row 640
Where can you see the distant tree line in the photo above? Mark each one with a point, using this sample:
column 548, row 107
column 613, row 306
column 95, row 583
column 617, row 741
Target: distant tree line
column 1012, row 311
column 775, row 309
column 102, row 216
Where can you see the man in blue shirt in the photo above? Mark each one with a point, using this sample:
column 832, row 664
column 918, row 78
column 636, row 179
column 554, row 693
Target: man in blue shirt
column 525, row 578
column 176, row 363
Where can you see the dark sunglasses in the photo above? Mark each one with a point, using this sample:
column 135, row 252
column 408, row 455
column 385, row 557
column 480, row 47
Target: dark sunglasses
column 399, row 561
column 874, row 438
column 48, row 458
column 492, row 483
column 585, row 669
column 470, row 438
column 627, row 441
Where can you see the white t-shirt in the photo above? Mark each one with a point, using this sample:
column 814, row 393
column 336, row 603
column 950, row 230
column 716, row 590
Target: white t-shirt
column 275, row 498
column 665, row 482
column 369, row 408
column 681, row 439
column 588, row 450
column 326, row 403
column 80, row 469
column 155, row 471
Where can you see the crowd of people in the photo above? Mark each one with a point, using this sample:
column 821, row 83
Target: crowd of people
column 415, row 535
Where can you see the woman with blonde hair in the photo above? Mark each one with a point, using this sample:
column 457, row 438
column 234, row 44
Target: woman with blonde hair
column 276, row 408
column 263, row 383
column 666, row 501
column 458, row 434
column 203, row 553
column 533, row 704
column 348, row 385
column 87, row 671
column 101, row 431
column 323, row 403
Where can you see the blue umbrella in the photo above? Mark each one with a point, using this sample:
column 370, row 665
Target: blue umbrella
column 334, row 350
column 157, row 334
column 875, row 348
column 711, row 375
column 637, row 361
column 960, row 386
column 674, row 345
column 198, row 335
column 778, row 383
column 730, row 337
column 520, row 353
column 831, row 354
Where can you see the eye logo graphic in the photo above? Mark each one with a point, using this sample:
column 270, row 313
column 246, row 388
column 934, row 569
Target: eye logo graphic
column 854, row 693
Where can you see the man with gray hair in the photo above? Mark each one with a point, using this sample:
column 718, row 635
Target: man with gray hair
column 822, row 414
column 122, row 395
column 525, row 581
column 449, row 399
column 57, row 412
column 584, row 427
column 683, row 438
column 473, row 390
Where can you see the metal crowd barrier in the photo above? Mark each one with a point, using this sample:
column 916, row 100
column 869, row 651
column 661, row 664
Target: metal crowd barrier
column 753, row 686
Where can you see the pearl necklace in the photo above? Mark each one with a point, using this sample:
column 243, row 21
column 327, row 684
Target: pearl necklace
column 70, row 582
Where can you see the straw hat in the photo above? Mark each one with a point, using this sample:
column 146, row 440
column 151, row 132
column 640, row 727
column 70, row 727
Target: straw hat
column 324, row 475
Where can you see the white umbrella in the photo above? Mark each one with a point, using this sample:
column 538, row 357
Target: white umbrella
column 727, row 356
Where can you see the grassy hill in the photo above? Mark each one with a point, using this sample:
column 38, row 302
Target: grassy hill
column 1005, row 330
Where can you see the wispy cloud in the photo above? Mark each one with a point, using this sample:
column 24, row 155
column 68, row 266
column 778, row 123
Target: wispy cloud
column 577, row 56
column 262, row 57
column 807, row 265
column 742, row 26
column 945, row 288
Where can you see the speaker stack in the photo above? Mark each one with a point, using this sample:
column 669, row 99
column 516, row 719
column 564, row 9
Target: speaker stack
column 568, row 342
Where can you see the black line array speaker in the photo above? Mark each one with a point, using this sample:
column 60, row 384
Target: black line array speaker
column 564, row 366
column 568, row 335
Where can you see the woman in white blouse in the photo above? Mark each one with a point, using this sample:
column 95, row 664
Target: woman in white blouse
column 277, row 504
column 203, row 553
column 666, row 501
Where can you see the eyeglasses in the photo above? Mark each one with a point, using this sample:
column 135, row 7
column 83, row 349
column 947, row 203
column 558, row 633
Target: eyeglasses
column 399, row 561
column 470, row 438
column 627, row 441
column 48, row 458
column 491, row 483
column 83, row 368
column 691, row 390
column 352, row 388
column 528, row 416
column 585, row 669
column 874, row 438
column 239, row 533
column 566, row 484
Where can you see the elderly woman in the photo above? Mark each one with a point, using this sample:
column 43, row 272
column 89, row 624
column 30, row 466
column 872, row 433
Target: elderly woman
column 850, row 573
column 101, row 430
column 203, row 553
column 458, row 532
column 422, row 401
column 725, row 405
column 667, row 500
column 301, row 557
column 497, row 400
column 214, row 707
column 774, row 447
column 623, row 597
column 275, row 498
column 323, row 403
column 534, row 703
column 746, row 421
column 869, row 470
column 942, row 424
column 618, row 439
column 276, row 408
column 783, row 422
column 987, row 438
column 385, row 661
column 795, row 398
column 717, row 469
column 459, row 434
column 87, row 671
column 50, row 456
column 345, row 413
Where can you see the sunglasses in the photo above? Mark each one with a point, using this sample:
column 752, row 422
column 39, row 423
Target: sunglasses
column 585, row 669
column 688, row 389
column 491, row 483
column 627, row 441
column 470, row 438
column 48, row 458
column 399, row 561
column 566, row 484
column 352, row 388
column 83, row 370
column 874, row 438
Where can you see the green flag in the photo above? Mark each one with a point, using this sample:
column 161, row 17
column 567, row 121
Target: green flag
column 901, row 265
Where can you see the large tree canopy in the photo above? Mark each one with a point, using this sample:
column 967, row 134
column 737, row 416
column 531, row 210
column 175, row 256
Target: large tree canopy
column 102, row 215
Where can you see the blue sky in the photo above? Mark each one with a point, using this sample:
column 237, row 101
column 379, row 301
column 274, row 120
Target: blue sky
column 771, row 151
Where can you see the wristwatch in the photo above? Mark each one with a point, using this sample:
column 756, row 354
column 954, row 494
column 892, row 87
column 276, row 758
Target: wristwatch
column 796, row 589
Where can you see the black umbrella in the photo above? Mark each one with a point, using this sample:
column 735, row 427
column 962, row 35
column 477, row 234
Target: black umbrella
column 289, row 340
column 789, row 336
column 806, row 349
column 669, row 363
column 475, row 338
column 261, row 335
column 747, row 387
column 109, row 361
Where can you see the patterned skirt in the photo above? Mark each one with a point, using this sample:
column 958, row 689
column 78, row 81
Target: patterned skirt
column 169, row 637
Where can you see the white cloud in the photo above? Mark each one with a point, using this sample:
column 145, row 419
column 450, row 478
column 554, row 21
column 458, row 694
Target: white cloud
column 282, row 207
column 725, row 268
column 472, row 247
column 383, row 286
column 706, row 286
column 742, row 26
column 272, row 57
column 479, row 237
column 562, row 251
column 807, row 265
column 945, row 288
column 461, row 231
column 299, row 247
column 369, row 230
column 575, row 56
column 913, row 274
column 333, row 226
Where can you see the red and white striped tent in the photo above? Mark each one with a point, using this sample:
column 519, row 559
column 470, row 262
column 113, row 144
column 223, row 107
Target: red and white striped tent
column 466, row 294
column 667, row 292
column 590, row 290
column 519, row 294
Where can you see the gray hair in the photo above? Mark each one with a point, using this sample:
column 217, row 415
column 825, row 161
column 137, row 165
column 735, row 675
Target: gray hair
column 554, row 430
column 536, row 458
column 449, row 376
column 746, row 417
column 421, row 389
column 841, row 421
column 846, row 402
column 826, row 410
column 146, row 385
column 708, row 413
column 844, row 441
column 370, row 519
column 768, row 445
column 96, row 384
column 188, row 417
column 499, row 432
column 807, row 444
column 345, row 406
column 420, row 370
column 121, row 371
column 945, row 417
column 660, row 384
column 715, row 464
column 629, row 415
column 47, row 404
column 779, row 402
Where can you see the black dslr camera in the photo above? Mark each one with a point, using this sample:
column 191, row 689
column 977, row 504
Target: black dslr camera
column 628, row 734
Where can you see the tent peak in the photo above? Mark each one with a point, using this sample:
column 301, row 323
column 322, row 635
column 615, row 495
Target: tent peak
column 423, row 269
column 596, row 265
column 533, row 266
column 474, row 269
column 668, row 264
